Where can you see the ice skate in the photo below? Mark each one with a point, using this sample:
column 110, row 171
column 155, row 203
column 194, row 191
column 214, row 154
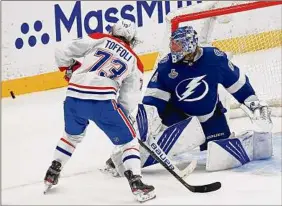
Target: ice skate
column 141, row 191
column 110, row 168
column 52, row 175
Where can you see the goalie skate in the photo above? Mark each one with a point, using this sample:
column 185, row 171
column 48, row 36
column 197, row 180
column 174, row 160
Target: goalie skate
column 110, row 168
column 141, row 191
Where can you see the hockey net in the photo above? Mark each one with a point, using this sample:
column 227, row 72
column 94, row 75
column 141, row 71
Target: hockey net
column 249, row 32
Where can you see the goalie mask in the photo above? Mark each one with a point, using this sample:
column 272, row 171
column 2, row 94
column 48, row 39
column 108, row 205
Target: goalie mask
column 183, row 41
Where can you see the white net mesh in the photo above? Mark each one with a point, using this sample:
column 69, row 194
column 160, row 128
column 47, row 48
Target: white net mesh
column 250, row 33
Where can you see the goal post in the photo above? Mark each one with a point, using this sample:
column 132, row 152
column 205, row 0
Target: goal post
column 251, row 35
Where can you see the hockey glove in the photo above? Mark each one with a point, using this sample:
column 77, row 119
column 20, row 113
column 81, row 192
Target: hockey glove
column 69, row 70
column 259, row 113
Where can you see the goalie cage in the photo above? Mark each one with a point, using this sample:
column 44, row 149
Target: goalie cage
column 249, row 32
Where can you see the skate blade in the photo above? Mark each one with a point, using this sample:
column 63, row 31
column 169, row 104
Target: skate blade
column 141, row 197
column 47, row 187
column 111, row 172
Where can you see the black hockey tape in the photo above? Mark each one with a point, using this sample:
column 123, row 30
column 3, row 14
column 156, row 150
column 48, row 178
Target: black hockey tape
column 12, row 94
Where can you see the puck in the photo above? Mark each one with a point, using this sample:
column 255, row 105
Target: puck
column 12, row 94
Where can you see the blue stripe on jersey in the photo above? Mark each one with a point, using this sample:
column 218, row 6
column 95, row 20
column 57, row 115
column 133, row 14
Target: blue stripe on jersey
column 130, row 157
column 89, row 92
column 63, row 151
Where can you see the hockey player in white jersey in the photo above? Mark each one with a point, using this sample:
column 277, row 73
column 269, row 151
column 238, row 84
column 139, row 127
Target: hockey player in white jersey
column 109, row 67
column 185, row 85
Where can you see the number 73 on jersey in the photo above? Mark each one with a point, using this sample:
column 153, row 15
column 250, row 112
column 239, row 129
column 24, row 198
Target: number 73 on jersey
column 116, row 68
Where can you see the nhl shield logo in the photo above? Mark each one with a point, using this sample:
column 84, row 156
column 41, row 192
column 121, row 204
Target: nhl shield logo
column 173, row 74
column 116, row 139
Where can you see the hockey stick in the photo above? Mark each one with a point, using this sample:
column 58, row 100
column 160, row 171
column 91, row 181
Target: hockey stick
column 198, row 188
column 182, row 173
column 186, row 171
column 142, row 123
column 154, row 147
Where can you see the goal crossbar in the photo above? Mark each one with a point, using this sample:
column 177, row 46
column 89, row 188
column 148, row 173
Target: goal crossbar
column 221, row 11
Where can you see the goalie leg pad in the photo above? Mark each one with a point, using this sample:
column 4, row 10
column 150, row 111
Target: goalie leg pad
column 263, row 148
column 167, row 139
column 235, row 152
column 229, row 153
column 181, row 137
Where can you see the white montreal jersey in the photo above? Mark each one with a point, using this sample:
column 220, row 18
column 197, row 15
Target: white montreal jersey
column 110, row 67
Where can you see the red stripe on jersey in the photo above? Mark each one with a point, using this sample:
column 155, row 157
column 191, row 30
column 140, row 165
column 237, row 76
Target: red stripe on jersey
column 91, row 87
column 130, row 149
column 125, row 119
column 65, row 141
column 132, row 131
column 114, row 104
column 101, row 35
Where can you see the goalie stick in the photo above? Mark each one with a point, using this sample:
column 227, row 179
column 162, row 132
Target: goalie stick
column 193, row 188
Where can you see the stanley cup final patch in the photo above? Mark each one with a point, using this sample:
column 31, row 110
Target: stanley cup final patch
column 155, row 77
column 173, row 74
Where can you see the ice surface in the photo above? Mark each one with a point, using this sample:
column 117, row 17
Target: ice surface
column 31, row 127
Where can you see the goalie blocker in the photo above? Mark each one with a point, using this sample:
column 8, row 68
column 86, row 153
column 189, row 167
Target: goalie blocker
column 187, row 135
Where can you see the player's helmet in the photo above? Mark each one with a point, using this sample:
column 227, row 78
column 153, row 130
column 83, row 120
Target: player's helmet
column 183, row 41
column 125, row 30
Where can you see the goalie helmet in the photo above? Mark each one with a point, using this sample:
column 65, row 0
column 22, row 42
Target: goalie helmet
column 183, row 41
column 125, row 30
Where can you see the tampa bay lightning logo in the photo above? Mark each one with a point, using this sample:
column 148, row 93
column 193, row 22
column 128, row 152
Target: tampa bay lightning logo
column 192, row 89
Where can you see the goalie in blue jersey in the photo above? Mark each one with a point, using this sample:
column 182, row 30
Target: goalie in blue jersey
column 181, row 108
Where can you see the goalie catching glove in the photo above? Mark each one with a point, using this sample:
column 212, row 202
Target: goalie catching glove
column 259, row 113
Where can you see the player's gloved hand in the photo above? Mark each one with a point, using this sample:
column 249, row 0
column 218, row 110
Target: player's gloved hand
column 69, row 70
column 259, row 112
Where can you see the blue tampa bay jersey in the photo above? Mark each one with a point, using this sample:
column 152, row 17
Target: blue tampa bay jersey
column 193, row 88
